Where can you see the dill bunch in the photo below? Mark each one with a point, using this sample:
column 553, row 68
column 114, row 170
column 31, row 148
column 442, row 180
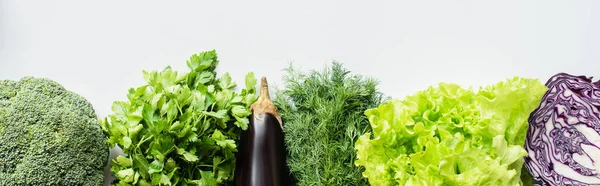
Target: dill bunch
column 323, row 115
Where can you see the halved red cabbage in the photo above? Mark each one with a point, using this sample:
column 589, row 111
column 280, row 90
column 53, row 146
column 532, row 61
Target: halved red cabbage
column 563, row 139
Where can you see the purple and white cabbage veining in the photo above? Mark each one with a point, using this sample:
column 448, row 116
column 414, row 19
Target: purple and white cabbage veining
column 563, row 139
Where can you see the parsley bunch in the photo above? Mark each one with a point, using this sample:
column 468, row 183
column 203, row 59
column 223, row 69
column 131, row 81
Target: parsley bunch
column 180, row 128
column 322, row 112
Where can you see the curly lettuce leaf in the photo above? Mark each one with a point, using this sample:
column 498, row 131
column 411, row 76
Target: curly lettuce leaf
column 448, row 135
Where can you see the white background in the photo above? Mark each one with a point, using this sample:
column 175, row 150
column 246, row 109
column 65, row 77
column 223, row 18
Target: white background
column 99, row 49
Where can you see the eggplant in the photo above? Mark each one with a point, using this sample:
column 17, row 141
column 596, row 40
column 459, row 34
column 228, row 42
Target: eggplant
column 261, row 158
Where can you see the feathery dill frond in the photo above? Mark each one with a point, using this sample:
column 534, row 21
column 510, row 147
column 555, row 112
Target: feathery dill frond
column 323, row 114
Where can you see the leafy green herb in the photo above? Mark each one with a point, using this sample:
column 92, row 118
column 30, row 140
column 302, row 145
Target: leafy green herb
column 323, row 117
column 180, row 128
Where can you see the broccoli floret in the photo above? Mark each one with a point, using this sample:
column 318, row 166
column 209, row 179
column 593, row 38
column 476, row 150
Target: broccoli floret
column 48, row 136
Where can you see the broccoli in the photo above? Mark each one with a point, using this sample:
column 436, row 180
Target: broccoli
column 48, row 136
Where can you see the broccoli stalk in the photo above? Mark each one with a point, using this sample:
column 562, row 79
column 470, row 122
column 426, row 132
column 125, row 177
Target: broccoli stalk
column 48, row 135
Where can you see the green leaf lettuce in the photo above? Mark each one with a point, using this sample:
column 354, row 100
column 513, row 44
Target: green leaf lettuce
column 448, row 135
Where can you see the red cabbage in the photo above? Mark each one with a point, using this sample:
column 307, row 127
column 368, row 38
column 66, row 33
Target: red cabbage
column 563, row 139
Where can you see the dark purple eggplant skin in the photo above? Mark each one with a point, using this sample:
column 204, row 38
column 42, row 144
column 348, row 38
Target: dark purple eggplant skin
column 261, row 156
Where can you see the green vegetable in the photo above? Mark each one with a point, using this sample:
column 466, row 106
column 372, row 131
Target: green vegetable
column 447, row 135
column 323, row 115
column 180, row 128
column 48, row 136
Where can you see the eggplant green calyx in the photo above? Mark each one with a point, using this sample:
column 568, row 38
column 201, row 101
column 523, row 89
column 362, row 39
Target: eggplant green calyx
column 264, row 105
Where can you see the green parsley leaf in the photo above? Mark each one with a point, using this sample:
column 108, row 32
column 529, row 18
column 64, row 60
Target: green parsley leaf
column 225, row 82
column 123, row 161
column 126, row 175
column 240, row 111
column 178, row 121
column 250, row 81
column 156, row 166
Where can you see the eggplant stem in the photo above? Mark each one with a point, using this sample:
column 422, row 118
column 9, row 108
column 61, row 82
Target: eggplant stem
column 264, row 105
column 264, row 88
